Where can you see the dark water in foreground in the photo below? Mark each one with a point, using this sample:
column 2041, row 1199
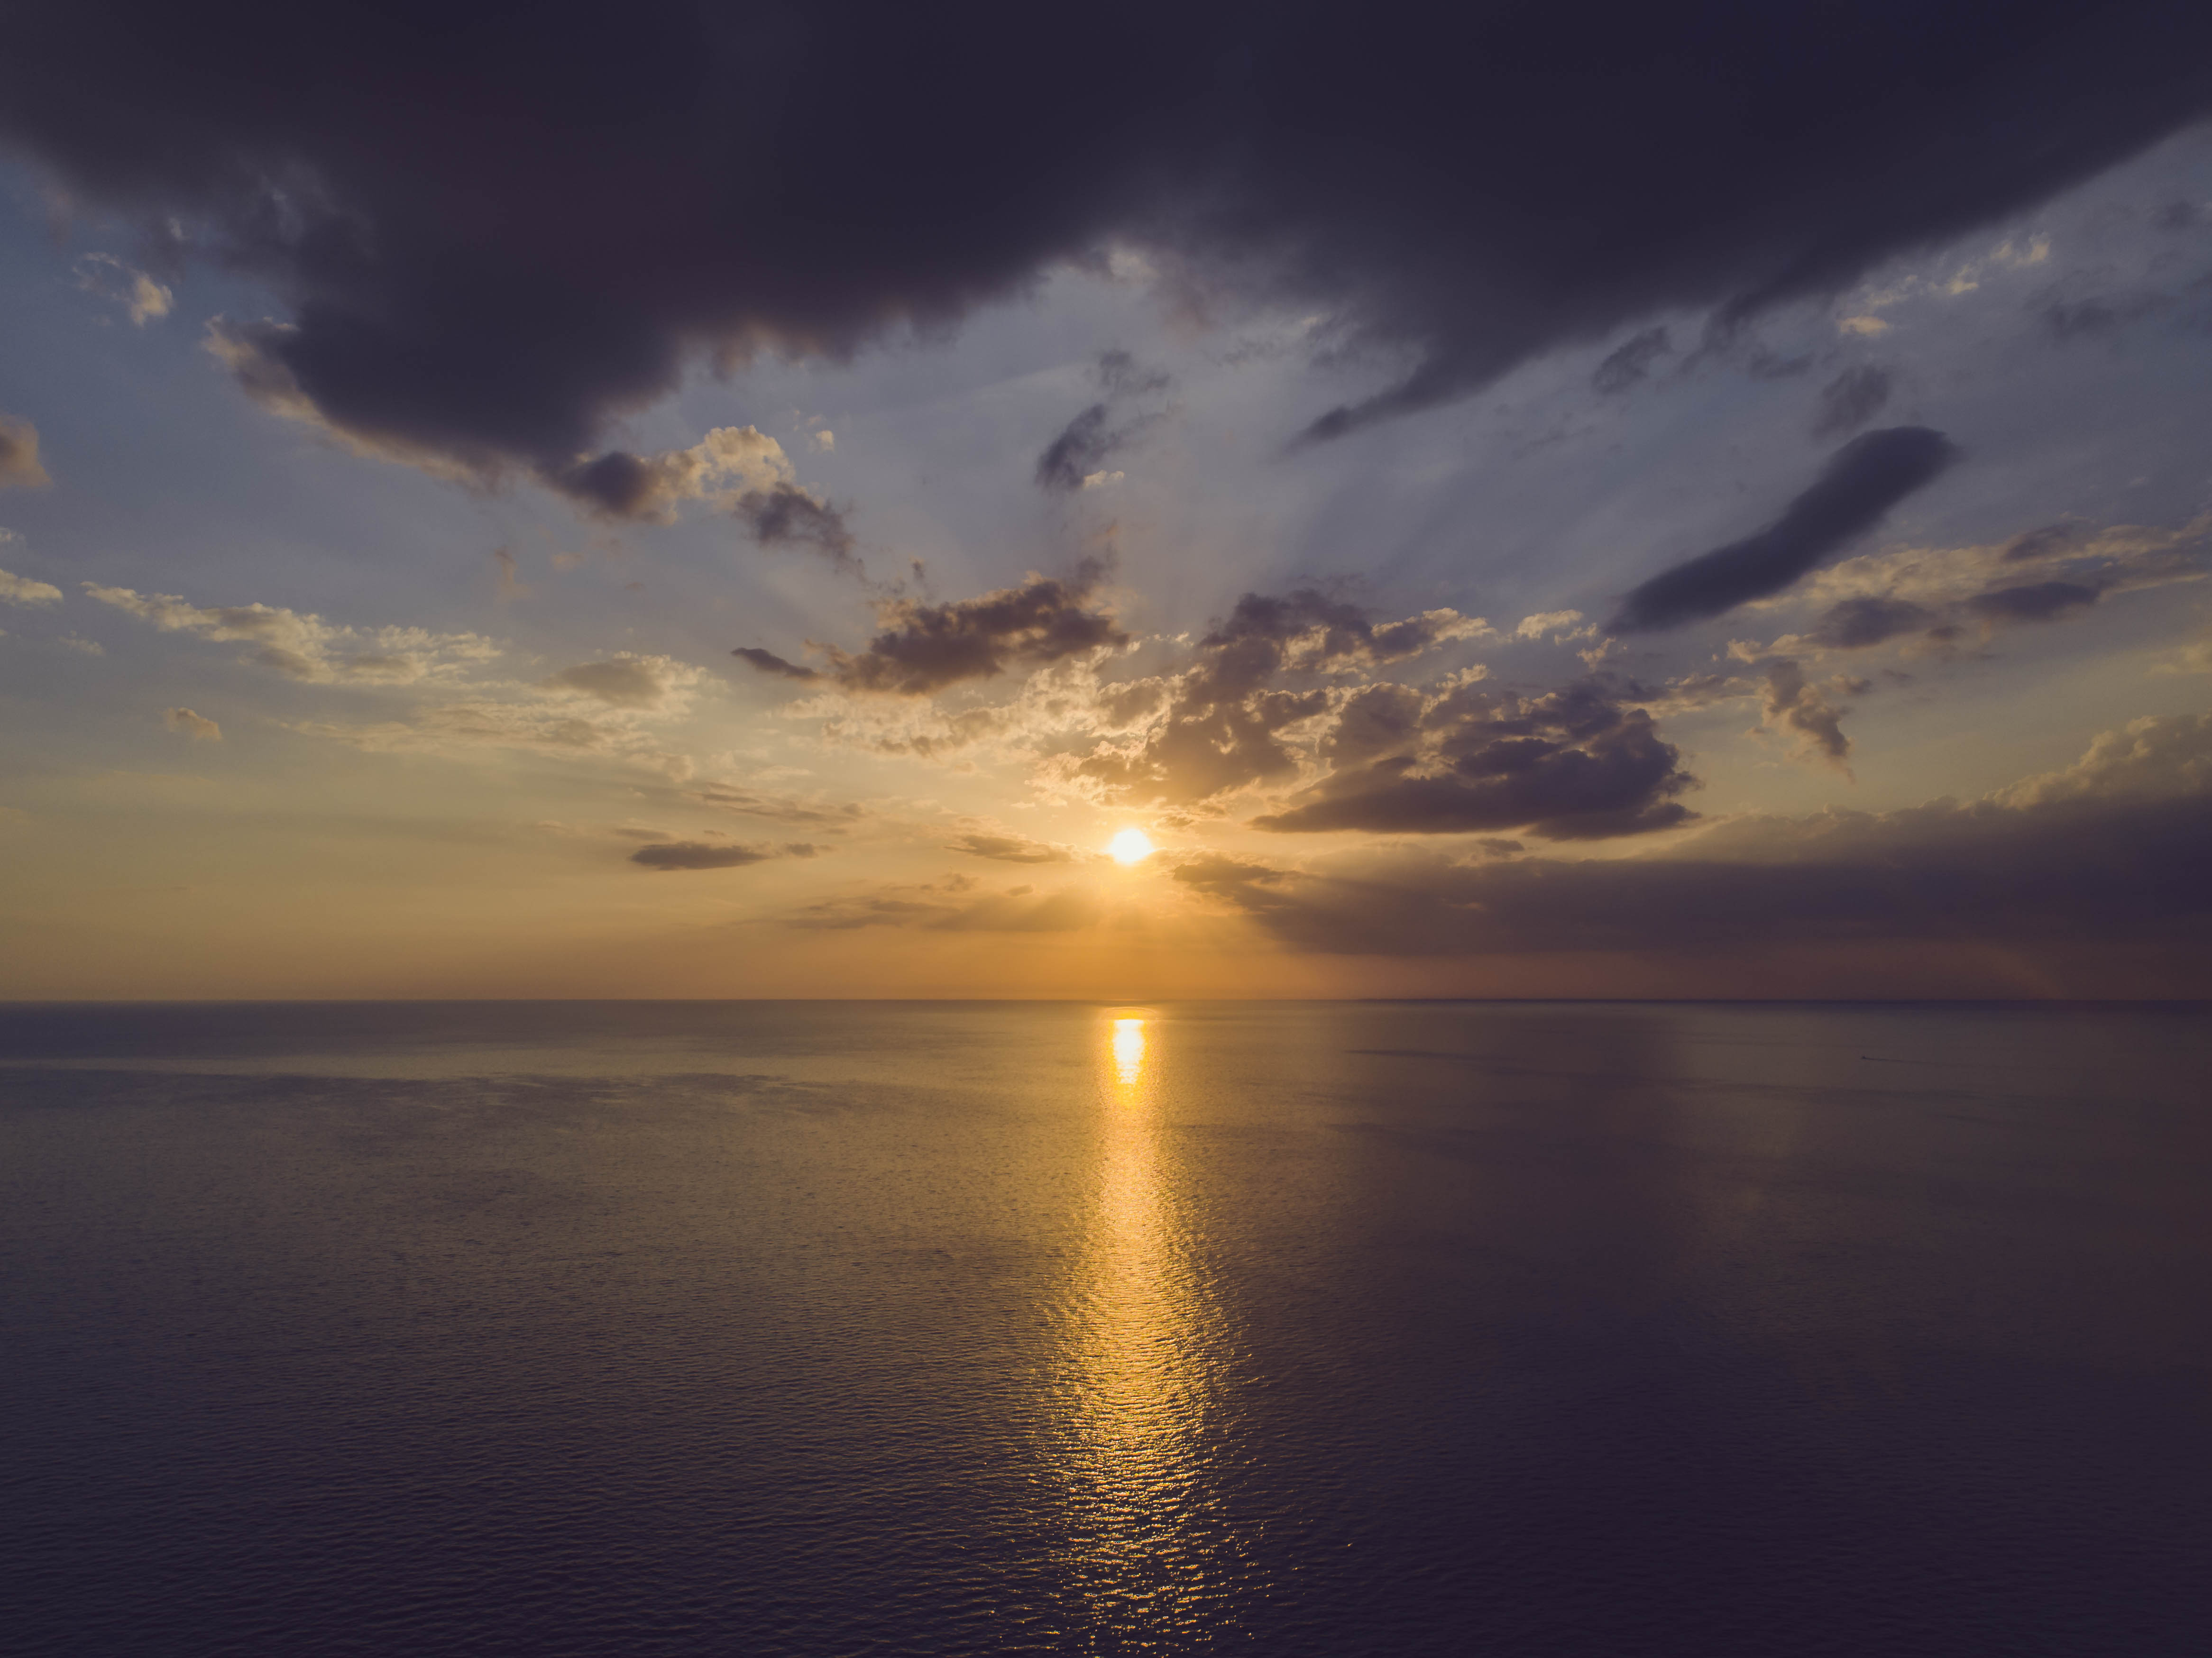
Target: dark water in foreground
column 879, row 1328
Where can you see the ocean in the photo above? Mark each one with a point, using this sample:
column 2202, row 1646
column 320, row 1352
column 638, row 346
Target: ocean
column 817, row 1328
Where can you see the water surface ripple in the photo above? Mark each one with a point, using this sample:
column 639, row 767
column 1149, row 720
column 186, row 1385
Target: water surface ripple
column 809, row 1329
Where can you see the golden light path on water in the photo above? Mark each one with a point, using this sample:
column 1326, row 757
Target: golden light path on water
column 1138, row 1394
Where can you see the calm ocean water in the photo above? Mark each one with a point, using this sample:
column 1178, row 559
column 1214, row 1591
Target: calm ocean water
column 812, row 1329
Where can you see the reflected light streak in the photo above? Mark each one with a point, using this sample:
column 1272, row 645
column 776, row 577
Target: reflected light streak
column 1128, row 1054
column 1136, row 1399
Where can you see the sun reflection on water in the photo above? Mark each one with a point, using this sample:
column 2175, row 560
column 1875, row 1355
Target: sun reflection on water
column 1128, row 1054
column 1136, row 1395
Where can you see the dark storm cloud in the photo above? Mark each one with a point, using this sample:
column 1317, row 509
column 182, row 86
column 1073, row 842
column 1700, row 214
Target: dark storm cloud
column 927, row 647
column 1571, row 764
column 1862, row 480
column 2061, row 877
column 2112, row 850
column 715, row 854
column 785, row 515
column 1851, row 399
column 499, row 229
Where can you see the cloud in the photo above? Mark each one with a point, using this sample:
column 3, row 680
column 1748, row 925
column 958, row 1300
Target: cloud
column 947, row 906
column 1576, row 763
column 195, row 726
column 1527, row 178
column 552, row 727
column 1792, row 704
column 1555, row 623
column 2036, row 601
column 141, row 298
column 306, row 647
column 1853, row 624
column 19, row 455
column 781, row 809
column 1631, row 362
column 2160, row 757
column 925, row 647
column 785, row 515
column 2109, row 850
column 1861, row 482
column 1851, row 399
column 1010, row 849
column 21, row 590
column 769, row 662
column 1939, row 594
column 615, row 485
column 714, row 854
column 2195, row 658
column 1222, row 724
column 1076, row 459
column 1219, row 724
column 659, row 683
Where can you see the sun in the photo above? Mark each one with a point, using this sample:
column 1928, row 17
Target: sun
column 1131, row 846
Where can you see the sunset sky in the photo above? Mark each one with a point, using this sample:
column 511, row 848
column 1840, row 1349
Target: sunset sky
column 1700, row 501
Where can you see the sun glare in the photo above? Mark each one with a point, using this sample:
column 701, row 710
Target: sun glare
column 1131, row 846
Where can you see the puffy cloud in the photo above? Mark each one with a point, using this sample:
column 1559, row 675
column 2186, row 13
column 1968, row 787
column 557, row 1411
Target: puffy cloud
column 714, row 854
column 1527, row 178
column 1861, row 483
column 1794, row 705
column 21, row 590
column 141, row 298
column 1576, row 763
column 1222, row 723
column 19, row 455
column 2156, row 758
column 198, row 727
column 1555, row 623
column 659, row 683
column 925, row 647
column 306, row 647
column 729, row 465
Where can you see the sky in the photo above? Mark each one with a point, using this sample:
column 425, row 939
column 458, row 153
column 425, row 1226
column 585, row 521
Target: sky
column 1701, row 501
